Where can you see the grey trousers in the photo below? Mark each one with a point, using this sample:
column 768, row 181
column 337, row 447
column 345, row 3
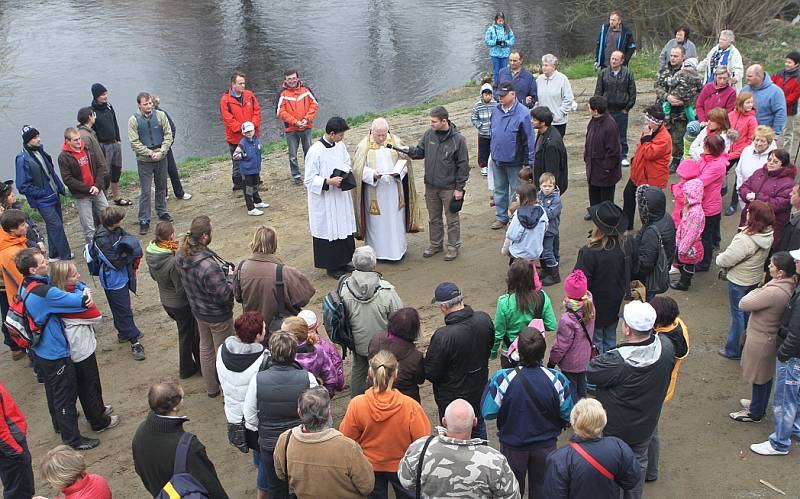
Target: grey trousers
column 148, row 172
column 642, row 455
column 653, row 452
column 87, row 207
column 358, row 375
column 438, row 201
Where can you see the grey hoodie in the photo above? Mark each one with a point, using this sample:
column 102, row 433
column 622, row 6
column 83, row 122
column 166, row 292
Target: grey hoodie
column 369, row 301
column 161, row 264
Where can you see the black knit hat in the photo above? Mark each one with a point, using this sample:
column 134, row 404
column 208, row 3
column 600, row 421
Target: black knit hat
column 794, row 55
column 97, row 90
column 28, row 132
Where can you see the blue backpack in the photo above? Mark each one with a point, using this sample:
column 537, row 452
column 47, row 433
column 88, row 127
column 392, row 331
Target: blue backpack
column 182, row 484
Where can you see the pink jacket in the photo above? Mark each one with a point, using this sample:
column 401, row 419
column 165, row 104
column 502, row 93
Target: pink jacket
column 691, row 225
column 687, row 170
column 746, row 125
column 712, row 174
column 572, row 349
column 775, row 189
column 323, row 361
column 711, row 97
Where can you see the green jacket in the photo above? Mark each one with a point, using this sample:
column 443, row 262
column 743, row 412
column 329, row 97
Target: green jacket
column 509, row 321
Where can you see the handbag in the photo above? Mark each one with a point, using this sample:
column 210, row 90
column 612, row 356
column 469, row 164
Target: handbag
column 657, row 281
column 281, row 312
column 595, row 464
column 593, row 353
column 237, row 436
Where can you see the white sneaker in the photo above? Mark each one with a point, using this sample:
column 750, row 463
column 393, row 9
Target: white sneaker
column 625, row 162
column 51, row 260
column 261, row 205
column 485, row 171
column 766, row 449
column 166, row 196
column 186, row 196
column 674, row 270
column 255, row 212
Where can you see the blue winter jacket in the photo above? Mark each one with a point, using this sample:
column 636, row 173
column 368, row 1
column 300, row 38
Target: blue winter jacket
column 52, row 344
column 524, row 84
column 494, row 33
column 552, row 206
column 32, row 181
column 526, row 232
column 250, row 163
column 522, row 422
column 116, row 250
column 770, row 104
column 513, row 141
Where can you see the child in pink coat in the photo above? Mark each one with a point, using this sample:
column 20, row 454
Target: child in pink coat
column 688, row 169
column 688, row 244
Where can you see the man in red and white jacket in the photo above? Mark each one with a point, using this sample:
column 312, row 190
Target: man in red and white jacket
column 297, row 108
column 238, row 105
column 16, row 471
column 788, row 79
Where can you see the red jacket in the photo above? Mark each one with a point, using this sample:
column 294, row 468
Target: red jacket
column 297, row 104
column 791, row 89
column 650, row 163
column 234, row 114
column 746, row 125
column 711, row 97
column 88, row 487
column 13, row 427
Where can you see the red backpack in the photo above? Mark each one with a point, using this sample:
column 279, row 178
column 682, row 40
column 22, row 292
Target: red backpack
column 24, row 331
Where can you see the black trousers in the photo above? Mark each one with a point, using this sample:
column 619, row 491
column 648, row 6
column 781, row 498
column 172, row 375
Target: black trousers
column 710, row 234
column 629, row 202
column 562, row 129
column 90, row 392
column 599, row 194
column 188, row 340
column 174, row 176
column 16, row 473
column 236, row 175
column 251, row 190
column 484, row 146
column 61, row 389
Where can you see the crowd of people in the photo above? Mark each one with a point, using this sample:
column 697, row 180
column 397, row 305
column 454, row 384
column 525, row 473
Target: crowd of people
column 277, row 373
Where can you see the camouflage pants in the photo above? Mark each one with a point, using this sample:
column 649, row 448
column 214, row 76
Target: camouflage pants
column 677, row 129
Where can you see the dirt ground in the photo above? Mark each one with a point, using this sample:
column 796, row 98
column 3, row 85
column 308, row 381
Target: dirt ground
column 703, row 452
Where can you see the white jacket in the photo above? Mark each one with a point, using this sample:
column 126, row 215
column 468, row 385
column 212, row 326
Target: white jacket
column 735, row 66
column 696, row 149
column 750, row 161
column 80, row 336
column 235, row 375
column 556, row 94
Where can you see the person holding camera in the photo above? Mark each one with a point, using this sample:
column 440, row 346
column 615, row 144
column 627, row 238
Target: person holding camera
column 208, row 282
column 499, row 38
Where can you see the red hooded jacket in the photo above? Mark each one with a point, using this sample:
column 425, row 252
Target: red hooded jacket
column 234, row 114
column 13, row 427
column 88, row 487
column 650, row 163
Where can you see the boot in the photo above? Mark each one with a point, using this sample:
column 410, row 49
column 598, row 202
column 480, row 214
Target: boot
column 685, row 282
column 550, row 276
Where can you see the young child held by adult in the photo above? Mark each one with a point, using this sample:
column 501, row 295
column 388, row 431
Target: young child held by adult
column 482, row 120
column 525, row 233
column 525, row 176
column 117, row 255
column 550, row 198
column 688, row 243
column 79, row 330
column 248, row 153
column 572, row 349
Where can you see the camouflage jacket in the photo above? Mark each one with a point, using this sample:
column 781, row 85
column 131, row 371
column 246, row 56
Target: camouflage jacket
column 684, row 84
column 458, row 468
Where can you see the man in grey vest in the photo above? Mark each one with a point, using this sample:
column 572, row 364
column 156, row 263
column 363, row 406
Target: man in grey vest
column 271, row 404
column 151, row 137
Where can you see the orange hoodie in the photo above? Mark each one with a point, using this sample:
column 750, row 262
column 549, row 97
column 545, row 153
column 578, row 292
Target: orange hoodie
column 10, row 245
column 384, row 424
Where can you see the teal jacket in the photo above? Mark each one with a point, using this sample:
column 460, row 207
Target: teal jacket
column 495, row 33
column 509, row 321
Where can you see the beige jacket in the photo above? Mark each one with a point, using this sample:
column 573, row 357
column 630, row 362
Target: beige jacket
column 745, row 256
column 323, row 464
column 765, row 304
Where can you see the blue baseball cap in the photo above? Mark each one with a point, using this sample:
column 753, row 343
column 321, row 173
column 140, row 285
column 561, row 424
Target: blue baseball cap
column 445, row 291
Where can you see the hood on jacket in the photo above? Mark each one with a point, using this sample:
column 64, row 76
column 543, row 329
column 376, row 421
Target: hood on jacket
column 316, row 436
column 383, row 405
column 642, row 354
column 763, row 239
column 450, row 132
column 689, row 169
column 157, row 258
column 652, row 204
column 363, row 285
column 693, row 191
column 485, row 87
column 287, row 87
column 529, row 216
column 442, row 433
column 8, row 240
column 66, row 148
column 766, row 83
column 789, row 171
column 238, row 356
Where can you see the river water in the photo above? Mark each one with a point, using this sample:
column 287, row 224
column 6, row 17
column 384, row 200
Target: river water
column 357, row 55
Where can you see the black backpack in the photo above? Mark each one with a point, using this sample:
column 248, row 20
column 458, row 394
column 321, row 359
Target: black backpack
column 334, row 317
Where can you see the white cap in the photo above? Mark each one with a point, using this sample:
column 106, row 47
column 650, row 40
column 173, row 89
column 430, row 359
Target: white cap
column 248, row 126
column 639, row 316
column 795, row 254
column 691, row 62
column 310, row 317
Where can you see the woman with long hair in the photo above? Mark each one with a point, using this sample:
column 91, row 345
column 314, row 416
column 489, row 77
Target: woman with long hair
column 499, row 39
column 401, row 334
column 718, row 124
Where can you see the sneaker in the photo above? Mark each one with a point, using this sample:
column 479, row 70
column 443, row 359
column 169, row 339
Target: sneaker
column 137, row 350
column 186, row 196
column 625, row 162
column 108, row 410
column 297, row 180
column 485, row 171
column 86, row 443
column 166, row 195
column 111, row 424
column 450, row 255
column 497, row 224
column 730, row 210
column 261, row 205
column 18, row 355
column 166, row 217
column 745, row 403
column 766, row 449
column 674, row 270
column 431, row 250
column 744, row 416
column 255, row 212
column 144, row 228
column 54, row 259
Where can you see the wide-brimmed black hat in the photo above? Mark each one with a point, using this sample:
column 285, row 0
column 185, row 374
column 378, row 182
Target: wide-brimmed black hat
column 609, row 218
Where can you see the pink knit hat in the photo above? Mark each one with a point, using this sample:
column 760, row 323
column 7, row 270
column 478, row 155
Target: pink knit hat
column 575, row 285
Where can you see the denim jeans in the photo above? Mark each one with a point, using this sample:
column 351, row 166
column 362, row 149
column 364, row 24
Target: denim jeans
column 498, row 63
column 261, row 473
column 760, row 399
column 57, row 244
column 622, row 125
column 86, row 208
column 148, row 172
column 528, row 463
column 506, row 182
column 550, row 250
column 119, row 301
column 605, row 338
column 785, row 404
column 293, row 139
column 738, row 318
column 276, row 488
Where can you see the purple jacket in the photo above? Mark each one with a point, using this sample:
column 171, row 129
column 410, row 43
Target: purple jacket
column 602, row 151
column 323, row 361
column 775, row 189
column 572, row 349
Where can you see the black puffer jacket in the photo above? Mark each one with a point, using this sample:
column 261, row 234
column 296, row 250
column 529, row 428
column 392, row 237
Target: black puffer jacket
column 457, row 360
column 652, row 204
column 789, row 330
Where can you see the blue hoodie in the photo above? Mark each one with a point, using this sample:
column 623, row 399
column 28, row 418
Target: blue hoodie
column 526, row 232
column 512, row 135
column 49, row 302
column 552, row 206
column 770, row 104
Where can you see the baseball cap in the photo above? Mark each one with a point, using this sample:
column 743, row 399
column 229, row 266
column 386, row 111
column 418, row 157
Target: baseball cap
column 310, row 317
column 444, row 292
column 248, row 126
column 504, row 88
column 795, row 254
column 639, row 315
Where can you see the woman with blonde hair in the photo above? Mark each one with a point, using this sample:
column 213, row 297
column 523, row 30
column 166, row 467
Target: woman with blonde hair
column 315, row 355
column 65, row 470
column 570, row 473
column 752, row 158
column 384, row 422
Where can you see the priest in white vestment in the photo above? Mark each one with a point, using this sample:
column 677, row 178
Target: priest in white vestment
column 385, row 198
column 330, row 208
